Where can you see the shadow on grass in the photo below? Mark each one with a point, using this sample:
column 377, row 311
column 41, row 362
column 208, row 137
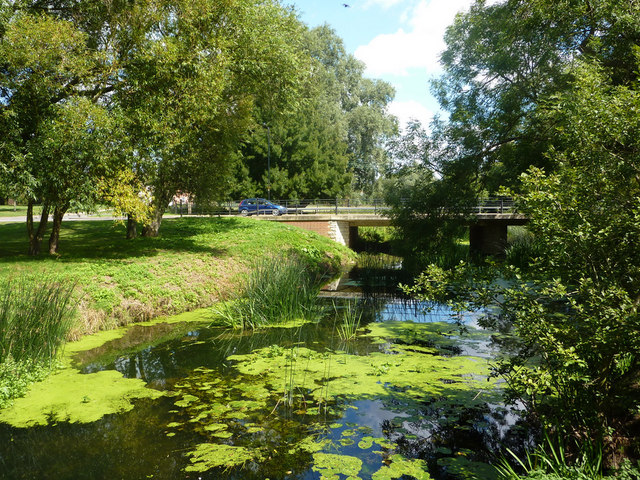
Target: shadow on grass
column 80, row 240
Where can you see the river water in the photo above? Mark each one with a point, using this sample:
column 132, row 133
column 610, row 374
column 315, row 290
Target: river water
column 409, row 396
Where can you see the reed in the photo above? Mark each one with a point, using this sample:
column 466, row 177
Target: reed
column 351, row 316
column 549, row 462
column 34, row 319
column 523, row 248
column 277, row 290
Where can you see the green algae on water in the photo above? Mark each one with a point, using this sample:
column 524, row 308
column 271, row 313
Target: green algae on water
column 69, row 395
column 73, row 397
column 330, row 466
column 400, row 467
column 211, row 455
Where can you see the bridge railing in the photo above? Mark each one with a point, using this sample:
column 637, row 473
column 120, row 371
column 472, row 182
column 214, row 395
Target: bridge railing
column 333, row 206
column 496, row 205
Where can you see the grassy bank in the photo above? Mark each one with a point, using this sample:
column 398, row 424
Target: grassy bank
column 194, row 263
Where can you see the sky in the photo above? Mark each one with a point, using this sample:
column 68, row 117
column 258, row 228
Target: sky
column 398, row 40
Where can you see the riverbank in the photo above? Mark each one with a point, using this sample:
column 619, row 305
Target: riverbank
column 194, row 263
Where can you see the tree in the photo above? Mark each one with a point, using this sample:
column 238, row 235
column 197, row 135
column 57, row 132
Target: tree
column 56, row 131
column 503, row 63
column 575, row 312
column 194, row 86
column 341, row 115
column 178, row 79
column 308, row 155
column 364, row 102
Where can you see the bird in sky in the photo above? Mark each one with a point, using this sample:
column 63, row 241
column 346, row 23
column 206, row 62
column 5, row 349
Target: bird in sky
column 346, row 5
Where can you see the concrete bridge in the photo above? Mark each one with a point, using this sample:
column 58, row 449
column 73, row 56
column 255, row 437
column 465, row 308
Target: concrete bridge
column 487, row 231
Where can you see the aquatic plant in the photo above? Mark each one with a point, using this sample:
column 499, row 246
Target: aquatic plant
column 379, row 275
column 15, row 378
column 522, row 248
column 549, row 462
column 277, row 290
column 34, row 319
column 351, row 318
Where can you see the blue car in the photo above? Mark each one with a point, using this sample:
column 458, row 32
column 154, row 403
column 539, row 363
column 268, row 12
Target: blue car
column 260, row 206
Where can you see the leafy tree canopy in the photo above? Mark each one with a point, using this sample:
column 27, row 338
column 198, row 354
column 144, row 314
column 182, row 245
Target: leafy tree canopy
column 502, row 62
column 333, row 142
column 161, row 92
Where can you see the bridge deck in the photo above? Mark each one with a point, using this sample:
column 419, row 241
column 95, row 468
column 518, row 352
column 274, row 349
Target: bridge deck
column 373, row 220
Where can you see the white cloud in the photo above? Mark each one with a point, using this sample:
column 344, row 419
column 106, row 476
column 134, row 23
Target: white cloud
column 409, row 110
column 417, row 45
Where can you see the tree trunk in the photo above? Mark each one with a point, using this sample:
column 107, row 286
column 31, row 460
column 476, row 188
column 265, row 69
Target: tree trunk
column 152, row 229
column 54, row 238
column 35, row 237
column 132, row 227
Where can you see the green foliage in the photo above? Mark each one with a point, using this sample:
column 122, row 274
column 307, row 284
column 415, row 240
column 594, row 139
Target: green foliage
column 190, row 108
column 522, row 248
column 502, row 62
column 277, row 290
column 333, row 141
column 548, row 462
column 574, row 316
column 60, row 134
column 102, row 102
column 34, row 322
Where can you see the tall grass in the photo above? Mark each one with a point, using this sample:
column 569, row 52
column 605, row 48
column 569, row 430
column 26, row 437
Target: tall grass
column 277, row 290
column 550, row 462
column 522, row 248
column 34, row 319
column 350, row 320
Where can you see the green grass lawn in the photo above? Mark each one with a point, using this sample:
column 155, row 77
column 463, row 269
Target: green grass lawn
column 17, row 211
column 194, row 262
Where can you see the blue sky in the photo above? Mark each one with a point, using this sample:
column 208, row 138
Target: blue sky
column 398, row 40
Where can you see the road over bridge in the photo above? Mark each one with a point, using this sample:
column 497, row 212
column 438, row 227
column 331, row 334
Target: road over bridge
column 487, row 230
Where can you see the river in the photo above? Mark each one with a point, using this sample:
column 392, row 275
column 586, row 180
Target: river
column 407, row 396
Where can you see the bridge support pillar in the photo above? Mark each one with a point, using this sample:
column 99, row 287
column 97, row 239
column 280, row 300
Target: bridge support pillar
column 340, row 231
column 354, row 237
column 488, row 239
